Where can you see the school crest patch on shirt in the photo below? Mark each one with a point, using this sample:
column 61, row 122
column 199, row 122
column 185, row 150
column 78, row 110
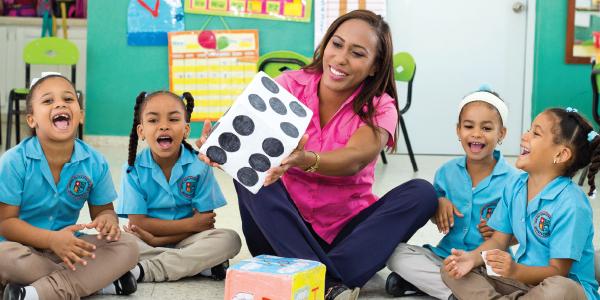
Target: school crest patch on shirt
column 541, row 224
column 79, row 187
column 487, row 210
column 187, row 186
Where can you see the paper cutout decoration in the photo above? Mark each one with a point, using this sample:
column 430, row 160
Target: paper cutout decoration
column 281, row 10
column 148, row 21
column 214, row 66
column 263, row 126
column 272, row 277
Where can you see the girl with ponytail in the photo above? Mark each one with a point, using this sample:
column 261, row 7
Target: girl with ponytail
column 169, row 196
column 546, row 212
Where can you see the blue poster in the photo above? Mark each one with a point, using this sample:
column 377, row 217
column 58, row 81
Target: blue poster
column 148, row 21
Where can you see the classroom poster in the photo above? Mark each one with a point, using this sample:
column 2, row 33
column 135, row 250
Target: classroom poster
column 282, row 10
column 326, row 11
column 214, row 66
column 148, row 21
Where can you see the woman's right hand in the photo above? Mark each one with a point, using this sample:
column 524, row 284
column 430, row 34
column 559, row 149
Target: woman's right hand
column 199, row 142
column 69, row 248
column 444, row 216
column 459, row 263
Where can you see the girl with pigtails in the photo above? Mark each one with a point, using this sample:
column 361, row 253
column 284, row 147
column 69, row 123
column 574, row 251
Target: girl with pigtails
column 546, row 212
column 169, row 196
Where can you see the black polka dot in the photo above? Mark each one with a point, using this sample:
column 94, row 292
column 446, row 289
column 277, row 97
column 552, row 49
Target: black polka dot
column 270, row 85
column 216, row 154
column 289, row 129
column 259, row 162
column 297, row 109
column 272, row 147
column 247, row 176
column 229, row 142
column 257, row 102
column 243, row 125
column 277, row 106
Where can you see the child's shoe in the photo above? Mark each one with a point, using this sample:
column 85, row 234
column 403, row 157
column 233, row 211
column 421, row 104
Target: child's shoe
column 126, row 284
column 219, row 271
column 396, row 286
column 341, row 292
column 13, row 291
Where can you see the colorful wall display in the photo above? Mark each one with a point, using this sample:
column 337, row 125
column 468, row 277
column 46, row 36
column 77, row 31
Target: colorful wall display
column 326, row 11
column 148, row 21
column 284, row 10
column 214, row 66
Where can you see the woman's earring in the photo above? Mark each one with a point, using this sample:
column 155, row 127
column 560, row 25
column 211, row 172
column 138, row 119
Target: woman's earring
column 554, row 162
column 143, row 138
column 459, row 139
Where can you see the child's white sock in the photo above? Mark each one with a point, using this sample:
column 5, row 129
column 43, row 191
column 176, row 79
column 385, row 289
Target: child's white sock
column 136, row 272
column 108, row 290
column 206, row 272
column 31, row 293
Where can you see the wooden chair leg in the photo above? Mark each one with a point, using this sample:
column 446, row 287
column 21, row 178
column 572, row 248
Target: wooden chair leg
column 408, row 146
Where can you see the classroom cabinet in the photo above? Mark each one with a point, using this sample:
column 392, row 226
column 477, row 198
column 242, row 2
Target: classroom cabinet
column 15, row 33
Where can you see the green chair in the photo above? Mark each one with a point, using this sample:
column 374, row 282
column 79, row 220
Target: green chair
column 277, row 62
column 42, row 51
column 405, row 61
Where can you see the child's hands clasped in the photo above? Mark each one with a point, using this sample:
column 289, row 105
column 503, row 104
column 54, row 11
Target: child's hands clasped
column 107, row 226
column 444, row 216
column 485, row 230
column 202, row 221
column 460, row 262
column 142, row 234
column 69, row 248
column 501, row 262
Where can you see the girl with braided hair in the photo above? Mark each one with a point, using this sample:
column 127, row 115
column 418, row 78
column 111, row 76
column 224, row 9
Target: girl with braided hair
column 169, row 196
column 548, row 214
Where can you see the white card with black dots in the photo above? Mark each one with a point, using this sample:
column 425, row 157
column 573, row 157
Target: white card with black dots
column 262, row 127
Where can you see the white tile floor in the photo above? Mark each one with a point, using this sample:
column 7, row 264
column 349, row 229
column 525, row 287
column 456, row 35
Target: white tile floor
column 388, row 176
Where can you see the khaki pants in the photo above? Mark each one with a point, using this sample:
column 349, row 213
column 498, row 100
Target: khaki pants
column 189, row 257
column 421, row 267
column 478, row 285
column 53, row 280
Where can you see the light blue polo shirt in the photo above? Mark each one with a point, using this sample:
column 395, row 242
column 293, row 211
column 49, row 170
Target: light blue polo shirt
column 557, row 223
column 27, row 182
column 145, row 190
column 453, row 181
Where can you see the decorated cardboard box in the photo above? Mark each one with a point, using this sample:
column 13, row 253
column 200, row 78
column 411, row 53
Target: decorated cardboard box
column 268, row 277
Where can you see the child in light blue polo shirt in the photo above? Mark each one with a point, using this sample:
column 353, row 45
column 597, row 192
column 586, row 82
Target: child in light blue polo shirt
column 46, row 180
column 547, row 213
column 169, row 196
column 469, row 188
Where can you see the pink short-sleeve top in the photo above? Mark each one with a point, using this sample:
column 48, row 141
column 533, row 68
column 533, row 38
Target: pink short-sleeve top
column 330, row 202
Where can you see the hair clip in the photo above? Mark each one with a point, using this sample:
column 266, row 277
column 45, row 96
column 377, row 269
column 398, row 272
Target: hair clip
column 592, row 135
column 570, row 109
column 485, row 88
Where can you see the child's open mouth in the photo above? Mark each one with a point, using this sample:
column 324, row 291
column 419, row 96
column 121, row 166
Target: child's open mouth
column 61, row 121
column 476, row 147
column 164, row 142
column 524, row 151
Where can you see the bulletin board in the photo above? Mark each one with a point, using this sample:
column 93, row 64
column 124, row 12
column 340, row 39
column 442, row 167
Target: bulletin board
column 214, row 66
column 283, row 10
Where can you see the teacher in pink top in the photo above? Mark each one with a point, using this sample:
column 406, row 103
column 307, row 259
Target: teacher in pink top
column 319, row 203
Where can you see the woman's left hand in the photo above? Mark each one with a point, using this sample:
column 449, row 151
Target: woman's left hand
column 501, row 262
column 296, row 158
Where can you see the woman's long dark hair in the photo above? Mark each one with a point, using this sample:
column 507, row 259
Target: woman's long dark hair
column 383, row 79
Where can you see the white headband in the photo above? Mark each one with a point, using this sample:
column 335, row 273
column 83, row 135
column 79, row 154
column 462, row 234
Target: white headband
column 44, row 74
column 487, row 97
